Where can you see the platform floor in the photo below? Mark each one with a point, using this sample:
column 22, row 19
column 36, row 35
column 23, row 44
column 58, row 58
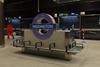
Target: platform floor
column 88, row 57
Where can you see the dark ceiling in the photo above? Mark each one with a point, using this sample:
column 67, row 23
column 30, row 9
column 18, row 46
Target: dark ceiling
column 28, row 8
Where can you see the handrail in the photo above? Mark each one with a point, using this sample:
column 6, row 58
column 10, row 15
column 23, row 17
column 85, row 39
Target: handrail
column 52, row 44
column 28, row 42
column 36, row 44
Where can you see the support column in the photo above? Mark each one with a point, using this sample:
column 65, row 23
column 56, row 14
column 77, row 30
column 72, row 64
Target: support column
column 1, row 25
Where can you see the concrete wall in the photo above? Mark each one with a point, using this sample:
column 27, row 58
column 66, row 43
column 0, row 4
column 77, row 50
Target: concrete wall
column 2, row 0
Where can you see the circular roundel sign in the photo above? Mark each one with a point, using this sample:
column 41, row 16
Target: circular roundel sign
column 43, row 26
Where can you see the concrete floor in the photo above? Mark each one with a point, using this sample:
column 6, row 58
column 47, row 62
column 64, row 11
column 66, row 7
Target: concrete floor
column 88, row 57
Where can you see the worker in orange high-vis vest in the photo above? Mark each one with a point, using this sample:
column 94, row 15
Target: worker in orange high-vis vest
column 10, row 30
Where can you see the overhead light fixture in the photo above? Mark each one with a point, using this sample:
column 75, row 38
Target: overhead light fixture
column 19, row 17
column 82, row 13
column 55, row 15
column 64, row 1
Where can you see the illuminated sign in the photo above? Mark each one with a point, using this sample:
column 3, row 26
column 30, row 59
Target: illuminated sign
column 41, row 26
column 43, row 30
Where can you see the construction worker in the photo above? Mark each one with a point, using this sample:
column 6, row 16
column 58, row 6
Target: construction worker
column 10, row 30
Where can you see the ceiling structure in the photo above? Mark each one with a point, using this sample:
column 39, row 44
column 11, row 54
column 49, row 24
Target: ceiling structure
column 29, row 8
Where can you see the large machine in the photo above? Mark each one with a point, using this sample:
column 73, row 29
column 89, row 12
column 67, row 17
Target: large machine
column 44, row 38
